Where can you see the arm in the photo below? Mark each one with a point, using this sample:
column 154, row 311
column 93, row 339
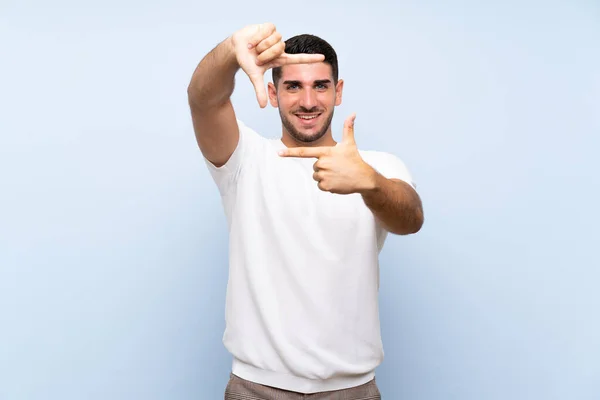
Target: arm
column 254, row 49
column 395, row 204
column 340, row 169
column 209, row 92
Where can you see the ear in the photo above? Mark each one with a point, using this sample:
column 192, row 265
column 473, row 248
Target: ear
column 273, row 95
column 338, row 92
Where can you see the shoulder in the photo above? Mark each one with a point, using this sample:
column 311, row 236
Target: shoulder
column 381, row 159
column 249, row 133
column 255, row 142
column 388, row 164
column 249, row 148
column 251, row 142
column 377, row 156
column 248, row 145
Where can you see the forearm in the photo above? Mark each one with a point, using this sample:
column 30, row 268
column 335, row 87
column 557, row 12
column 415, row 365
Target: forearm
column 395, row 204
column 213, row 80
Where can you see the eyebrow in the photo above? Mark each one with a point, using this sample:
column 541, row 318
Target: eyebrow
column 317, row 82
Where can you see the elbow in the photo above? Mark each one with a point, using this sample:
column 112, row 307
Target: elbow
column 192, row 94
column 197, row 98
column 418, row 223
column 200, row 101
column 417, row 219
column 409, row 226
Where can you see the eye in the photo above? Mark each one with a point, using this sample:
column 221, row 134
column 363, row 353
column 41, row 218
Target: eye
column 321, row 86
column 292, row 86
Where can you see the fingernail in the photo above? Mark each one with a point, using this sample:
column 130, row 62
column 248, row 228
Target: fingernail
column 249, row 45
column 281, row 152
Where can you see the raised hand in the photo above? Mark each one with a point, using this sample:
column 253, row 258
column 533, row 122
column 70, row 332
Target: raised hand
column 339, row 169
column 259, row 48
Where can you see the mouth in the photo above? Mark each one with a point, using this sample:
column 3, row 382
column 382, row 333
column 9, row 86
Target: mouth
column 308, row 119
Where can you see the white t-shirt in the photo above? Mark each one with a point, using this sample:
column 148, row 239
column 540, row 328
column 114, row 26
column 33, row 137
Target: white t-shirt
column 302, row 308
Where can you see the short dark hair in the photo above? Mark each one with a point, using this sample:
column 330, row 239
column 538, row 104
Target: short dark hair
column 309, row 44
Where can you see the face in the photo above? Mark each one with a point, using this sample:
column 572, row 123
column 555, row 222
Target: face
column 306, row 96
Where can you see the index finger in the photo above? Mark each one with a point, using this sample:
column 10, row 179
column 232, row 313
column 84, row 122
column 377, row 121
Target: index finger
column 305, row 152
column 302, row 58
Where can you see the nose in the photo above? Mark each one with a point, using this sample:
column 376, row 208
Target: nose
column 308, row 99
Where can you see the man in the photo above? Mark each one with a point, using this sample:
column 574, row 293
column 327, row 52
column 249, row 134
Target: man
column 307, row 218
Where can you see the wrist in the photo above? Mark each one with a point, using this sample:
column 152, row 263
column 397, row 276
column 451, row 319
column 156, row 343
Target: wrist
column 230, row 51
column 369, row 183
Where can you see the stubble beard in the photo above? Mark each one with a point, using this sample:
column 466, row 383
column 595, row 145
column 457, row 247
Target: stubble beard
column 301, row 137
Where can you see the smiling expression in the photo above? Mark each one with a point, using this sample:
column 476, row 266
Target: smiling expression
column 306, row 96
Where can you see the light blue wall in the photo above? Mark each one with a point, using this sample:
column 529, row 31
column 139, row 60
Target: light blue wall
column 113, row 241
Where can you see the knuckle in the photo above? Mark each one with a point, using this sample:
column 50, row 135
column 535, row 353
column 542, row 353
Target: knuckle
column 274, row 42
column 260, row 47
column 264, row 58
column 264, row 46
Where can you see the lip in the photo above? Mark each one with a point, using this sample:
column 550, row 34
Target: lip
column 308, row 122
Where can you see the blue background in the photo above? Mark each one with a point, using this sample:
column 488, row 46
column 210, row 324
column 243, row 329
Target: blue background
column 113, row 243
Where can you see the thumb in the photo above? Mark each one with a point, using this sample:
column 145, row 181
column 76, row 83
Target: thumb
column 259, row 87
column 348, row 136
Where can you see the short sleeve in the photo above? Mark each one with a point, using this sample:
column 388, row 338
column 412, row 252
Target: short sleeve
column 391, row 167
column 226, row 176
